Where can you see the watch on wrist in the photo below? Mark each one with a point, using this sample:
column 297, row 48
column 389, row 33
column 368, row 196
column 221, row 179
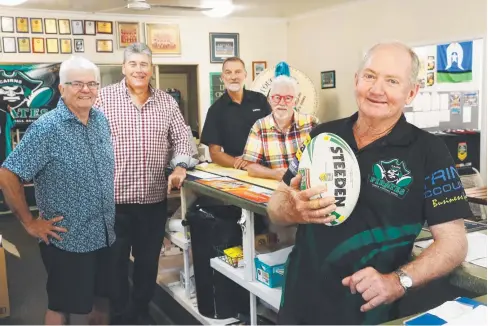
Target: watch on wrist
column 183, row 165
column 405, row 281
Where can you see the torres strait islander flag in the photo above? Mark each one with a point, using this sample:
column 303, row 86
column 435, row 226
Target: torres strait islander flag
column 455, row 62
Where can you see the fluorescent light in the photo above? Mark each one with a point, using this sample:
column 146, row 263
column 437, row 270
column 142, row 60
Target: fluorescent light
column 221, row 8
column 11, row 2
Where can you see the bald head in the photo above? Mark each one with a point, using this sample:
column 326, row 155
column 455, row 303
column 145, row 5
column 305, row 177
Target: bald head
column 395, row 49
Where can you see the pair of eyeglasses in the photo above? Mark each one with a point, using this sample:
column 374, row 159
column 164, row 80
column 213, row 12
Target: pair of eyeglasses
column 277, row 98
column 79, row 85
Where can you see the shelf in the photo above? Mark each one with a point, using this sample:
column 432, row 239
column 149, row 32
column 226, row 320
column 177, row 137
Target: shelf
column 178, row 239
column 270, row 295
column 178, row 293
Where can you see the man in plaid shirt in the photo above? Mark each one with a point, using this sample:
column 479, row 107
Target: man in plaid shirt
column 146, row 124
column 274, row 140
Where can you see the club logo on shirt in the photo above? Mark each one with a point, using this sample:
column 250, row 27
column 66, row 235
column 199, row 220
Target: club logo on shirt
column 444, row 187
column 392, row 177
column 462, row 151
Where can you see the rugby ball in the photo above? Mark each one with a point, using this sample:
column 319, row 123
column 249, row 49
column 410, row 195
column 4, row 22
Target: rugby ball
column 328, row 160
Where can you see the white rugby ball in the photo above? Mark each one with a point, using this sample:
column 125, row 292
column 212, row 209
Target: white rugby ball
column 328, row 160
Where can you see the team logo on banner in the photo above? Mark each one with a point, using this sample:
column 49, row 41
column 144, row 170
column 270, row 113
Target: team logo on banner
column 462, row 151
column 17, row 89
column 455, row 62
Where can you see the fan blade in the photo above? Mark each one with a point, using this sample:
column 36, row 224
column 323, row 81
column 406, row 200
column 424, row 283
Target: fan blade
column 112, row 9
column 180, row 7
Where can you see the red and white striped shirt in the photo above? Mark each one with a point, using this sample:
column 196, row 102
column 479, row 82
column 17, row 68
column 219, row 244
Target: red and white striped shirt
column 142, row 139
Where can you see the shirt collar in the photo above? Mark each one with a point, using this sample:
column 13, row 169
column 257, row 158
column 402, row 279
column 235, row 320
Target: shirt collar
column 229, row 100
column 66, row 113
column 400, row 135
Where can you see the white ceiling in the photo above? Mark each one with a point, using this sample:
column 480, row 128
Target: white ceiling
column 244, row 8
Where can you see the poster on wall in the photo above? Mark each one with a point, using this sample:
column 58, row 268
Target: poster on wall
column 455, row 62
column 28, row 90
column 455, row 102
column 217, row 87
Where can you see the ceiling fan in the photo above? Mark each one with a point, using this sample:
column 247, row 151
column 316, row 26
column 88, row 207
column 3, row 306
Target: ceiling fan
column 142, row 5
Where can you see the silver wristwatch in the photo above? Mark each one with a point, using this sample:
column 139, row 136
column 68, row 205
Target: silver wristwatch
column 405, row 280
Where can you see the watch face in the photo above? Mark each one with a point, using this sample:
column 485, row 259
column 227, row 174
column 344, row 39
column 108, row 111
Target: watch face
column 406, row 281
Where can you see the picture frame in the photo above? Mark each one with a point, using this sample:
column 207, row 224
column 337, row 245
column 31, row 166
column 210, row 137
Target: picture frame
column 22, row 24
column 66, row 45
column 79, row 45
column 50, row 26
column 38, row 45
column 163, row 39
column 105, row 46
column 90, row 27
column 37, row 27
column 223, row 46
column 104, row 27
column 77, row 27
column 24, row 44
column 128, row 33
column 52, row 45
column 258, row 67
column 7, row 24
column 64, row 26
column 9, row 45
column 328, row 79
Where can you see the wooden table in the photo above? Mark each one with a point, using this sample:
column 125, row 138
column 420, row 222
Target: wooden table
column 476, row 195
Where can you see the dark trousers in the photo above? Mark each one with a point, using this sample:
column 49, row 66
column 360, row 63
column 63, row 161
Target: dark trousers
column 139, row 227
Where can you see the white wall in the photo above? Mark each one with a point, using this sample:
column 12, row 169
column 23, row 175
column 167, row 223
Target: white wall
column 261, row 39
column 336, row 38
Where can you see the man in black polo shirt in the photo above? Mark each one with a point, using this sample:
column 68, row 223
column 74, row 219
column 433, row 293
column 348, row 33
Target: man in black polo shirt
column 355, row 272
column 231, row 117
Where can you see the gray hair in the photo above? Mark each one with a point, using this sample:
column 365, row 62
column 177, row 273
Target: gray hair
column 415, row 64
column 136, row 48
column 77, row 63
column 284, row 81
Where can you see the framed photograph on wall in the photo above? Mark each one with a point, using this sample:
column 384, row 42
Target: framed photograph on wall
column 66, row 46
column 223, row 46
column 105, row 46
column 23, row 44
column 9, row 45
column 38, row 45
column 36, row 26
column 90, row 27
column 77, row 27
column 79, row 45
column 22, row 24
column 258, row 67
column 52, row 45
column 104, row 27
column 128, row 33
column 50, row 25
column 328, row 79
column 7, row 24
column 163, row 38
column 64, row 26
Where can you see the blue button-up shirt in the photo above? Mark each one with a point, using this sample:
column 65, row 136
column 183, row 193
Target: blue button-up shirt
column 72, row 166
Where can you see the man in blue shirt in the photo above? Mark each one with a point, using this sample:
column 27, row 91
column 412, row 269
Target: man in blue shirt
column 69, row 155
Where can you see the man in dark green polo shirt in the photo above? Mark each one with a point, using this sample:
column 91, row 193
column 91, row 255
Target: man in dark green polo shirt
column 231, row 117
column 355, row 272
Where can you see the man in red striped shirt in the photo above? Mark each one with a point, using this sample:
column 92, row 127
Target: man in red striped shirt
column 146, row 124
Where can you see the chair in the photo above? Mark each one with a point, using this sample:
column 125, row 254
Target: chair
column 474, row 180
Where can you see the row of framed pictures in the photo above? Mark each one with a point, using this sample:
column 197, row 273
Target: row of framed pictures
column 55, row 26
column 51, row 45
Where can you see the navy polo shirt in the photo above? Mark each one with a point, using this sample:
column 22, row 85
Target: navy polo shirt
column 408, row 178
column 228, row 123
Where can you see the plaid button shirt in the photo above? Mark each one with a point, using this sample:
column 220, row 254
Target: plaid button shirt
column 142, row 140
column 270, row 147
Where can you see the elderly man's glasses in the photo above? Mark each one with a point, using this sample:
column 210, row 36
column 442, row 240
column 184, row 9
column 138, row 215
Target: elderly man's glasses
column 79, row 85
column 277, row 98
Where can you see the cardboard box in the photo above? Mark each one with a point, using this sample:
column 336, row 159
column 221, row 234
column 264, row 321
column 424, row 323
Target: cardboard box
column 4, row 299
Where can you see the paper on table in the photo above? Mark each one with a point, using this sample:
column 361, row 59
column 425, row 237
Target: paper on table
column 444, row 101
column 480, row 262
column 202, row 174
column 450, row 310
column 445, row 115
column 466, row 114
column 476, row 245
column 476, row 316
